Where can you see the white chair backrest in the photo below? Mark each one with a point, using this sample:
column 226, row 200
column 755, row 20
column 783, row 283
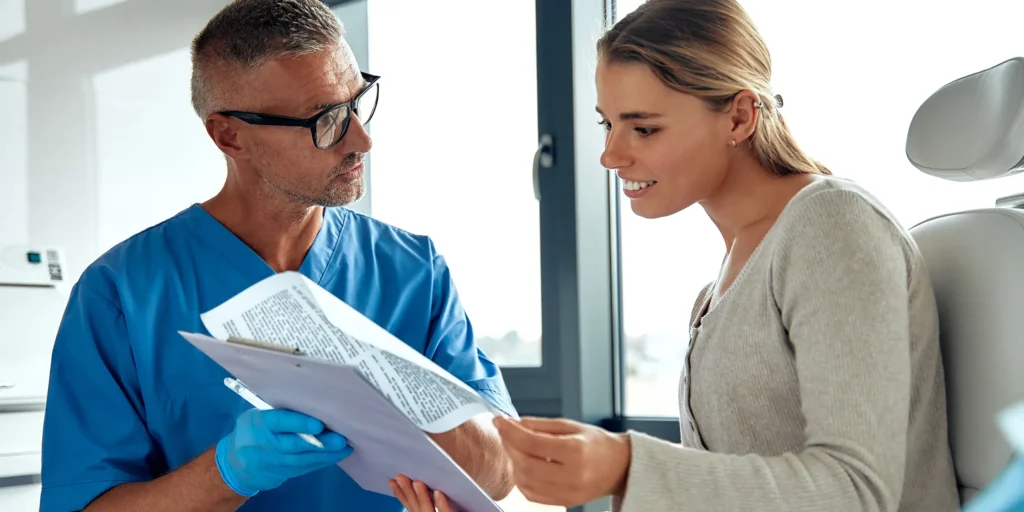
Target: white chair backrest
column 973, row 129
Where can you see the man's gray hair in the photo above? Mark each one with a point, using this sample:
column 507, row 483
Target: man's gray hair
column 248, row 33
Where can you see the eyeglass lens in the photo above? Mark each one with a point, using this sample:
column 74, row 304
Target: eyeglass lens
column 331, row 127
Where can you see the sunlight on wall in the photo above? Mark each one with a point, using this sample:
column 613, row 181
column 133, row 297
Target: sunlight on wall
column 12, row 18
column 84, row 6
column 153, row 155
column 14, row 148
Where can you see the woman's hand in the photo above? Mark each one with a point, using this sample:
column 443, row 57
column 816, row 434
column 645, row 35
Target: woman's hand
column 563, row 462
column 416, row 497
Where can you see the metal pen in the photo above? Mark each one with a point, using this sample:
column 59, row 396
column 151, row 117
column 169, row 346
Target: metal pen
column 257, row 402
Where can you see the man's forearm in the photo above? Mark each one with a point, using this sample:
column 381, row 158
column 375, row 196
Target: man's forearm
column 476, row 447
column 196, row 486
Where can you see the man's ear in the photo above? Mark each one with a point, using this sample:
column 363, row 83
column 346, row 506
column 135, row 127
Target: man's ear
column 743, row 115
column 223, row 130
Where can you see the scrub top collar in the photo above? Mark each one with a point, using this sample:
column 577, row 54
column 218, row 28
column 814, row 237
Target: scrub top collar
column 236, row 253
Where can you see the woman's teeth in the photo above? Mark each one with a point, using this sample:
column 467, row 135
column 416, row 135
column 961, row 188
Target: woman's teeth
column 636, row 185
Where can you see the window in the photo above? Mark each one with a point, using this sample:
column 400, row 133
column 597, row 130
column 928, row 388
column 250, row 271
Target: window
column 14, row 148
column 152, row 154
column 454, row 139
column 849, row 99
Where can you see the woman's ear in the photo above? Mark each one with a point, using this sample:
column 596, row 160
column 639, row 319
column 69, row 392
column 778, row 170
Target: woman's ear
column 743, row 114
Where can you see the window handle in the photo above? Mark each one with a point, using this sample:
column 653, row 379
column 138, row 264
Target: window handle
column 543, row 158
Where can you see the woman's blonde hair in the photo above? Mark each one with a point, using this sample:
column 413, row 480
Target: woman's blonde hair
column 710, row 49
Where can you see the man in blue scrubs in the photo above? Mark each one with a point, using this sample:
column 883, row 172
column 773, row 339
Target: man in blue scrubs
column 137, row 419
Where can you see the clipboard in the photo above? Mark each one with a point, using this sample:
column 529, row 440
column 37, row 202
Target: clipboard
column 385, row 442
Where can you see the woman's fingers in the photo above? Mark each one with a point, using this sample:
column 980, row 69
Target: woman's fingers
column 441, row 502
column 423, row 499
column 417, row 497
column 403, row 491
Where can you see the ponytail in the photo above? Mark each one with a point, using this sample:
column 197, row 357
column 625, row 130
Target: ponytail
column 774, row 146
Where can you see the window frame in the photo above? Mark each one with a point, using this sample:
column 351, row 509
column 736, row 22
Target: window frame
column 574, row 379
column 580, row 243
column 581, row 376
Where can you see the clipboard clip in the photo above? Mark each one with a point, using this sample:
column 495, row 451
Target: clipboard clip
column 295, row 351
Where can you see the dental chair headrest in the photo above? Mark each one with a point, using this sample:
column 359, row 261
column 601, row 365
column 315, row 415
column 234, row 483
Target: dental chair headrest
column 973, row 128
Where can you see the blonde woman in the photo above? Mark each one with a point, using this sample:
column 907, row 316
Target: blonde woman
column 813, row 380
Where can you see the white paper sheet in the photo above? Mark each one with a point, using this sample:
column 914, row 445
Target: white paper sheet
column 385, row 442
column 289, row 310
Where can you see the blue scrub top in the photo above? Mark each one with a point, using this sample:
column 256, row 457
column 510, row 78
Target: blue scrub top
column 130, row 399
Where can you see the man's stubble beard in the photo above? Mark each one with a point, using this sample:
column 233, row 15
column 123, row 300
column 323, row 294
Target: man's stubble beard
column 333, row 193
column 350, row 191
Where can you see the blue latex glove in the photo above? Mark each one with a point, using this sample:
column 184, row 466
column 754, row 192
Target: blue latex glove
column 265, row 450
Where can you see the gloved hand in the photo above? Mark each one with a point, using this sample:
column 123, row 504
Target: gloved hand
column 265, row 450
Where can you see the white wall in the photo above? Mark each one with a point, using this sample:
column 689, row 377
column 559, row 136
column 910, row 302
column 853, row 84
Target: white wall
column 97, row 137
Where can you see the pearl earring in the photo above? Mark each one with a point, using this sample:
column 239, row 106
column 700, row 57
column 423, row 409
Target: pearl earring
column 733, row 143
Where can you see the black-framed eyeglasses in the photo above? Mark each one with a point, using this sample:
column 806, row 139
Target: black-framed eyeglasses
column 329, row 125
